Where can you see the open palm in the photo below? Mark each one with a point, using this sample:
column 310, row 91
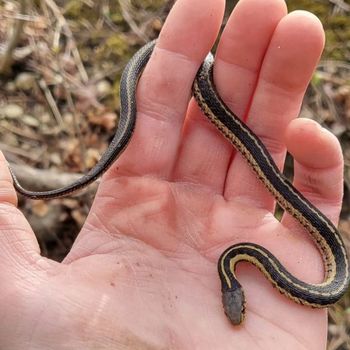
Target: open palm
column 142, row 273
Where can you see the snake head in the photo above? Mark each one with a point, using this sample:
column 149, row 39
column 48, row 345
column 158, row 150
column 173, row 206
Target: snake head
column 233, row 301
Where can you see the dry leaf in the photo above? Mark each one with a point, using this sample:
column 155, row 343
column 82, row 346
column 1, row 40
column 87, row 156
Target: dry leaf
column 78, row 217
column 107, row 120
column 40, row 208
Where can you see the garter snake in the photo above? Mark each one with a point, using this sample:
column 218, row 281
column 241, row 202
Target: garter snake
column 324, row 233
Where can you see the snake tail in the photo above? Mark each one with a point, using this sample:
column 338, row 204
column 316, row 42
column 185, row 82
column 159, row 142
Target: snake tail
column 121, row 138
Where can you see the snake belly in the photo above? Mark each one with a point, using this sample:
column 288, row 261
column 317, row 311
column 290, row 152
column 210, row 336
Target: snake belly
column 323, row 232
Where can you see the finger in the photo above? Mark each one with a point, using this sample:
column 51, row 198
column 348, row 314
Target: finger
column 165, row 86
column 318, row 168
column 18, row 245
column 287, row 68
column 205, row 155
column 318, row 175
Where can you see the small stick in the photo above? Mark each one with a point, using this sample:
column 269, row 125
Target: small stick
column 19, row 131
column 125, row 8
column 51, row 101
column 19, row 152
column 341, row 4
column 51, row 4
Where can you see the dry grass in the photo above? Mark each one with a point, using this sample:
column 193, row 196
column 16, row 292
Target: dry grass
column 76, row 50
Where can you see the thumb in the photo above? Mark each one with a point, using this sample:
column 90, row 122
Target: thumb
column 19, row 248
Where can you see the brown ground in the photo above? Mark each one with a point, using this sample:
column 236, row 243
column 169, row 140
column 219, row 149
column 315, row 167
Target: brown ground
column 59, row 101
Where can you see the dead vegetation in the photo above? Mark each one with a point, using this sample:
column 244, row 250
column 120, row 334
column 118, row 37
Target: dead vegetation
column 60, row 65
column 59, row 96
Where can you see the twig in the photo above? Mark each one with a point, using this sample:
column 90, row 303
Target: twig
column 51, row 101
column 335, row 343
column 19, row 152
column 125, row 8
column 330, row 77
column 107, row 19
column 7, row 59
column 19, row 131
column 20, row 16
column 57, row 36
column 341, row 5
column 45, row 10
column 334, row 63
column 65, row 27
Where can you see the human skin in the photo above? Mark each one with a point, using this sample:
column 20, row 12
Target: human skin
column 142, row 273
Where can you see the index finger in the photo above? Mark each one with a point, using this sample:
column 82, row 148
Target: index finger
column 165, row 86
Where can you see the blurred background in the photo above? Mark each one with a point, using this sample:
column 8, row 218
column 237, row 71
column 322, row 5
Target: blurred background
column 60, row 67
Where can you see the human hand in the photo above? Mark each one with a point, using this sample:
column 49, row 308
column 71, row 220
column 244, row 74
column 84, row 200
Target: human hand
column 142, row 273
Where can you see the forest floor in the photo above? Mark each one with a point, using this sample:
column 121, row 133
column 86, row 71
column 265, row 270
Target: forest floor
column 59, row 102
